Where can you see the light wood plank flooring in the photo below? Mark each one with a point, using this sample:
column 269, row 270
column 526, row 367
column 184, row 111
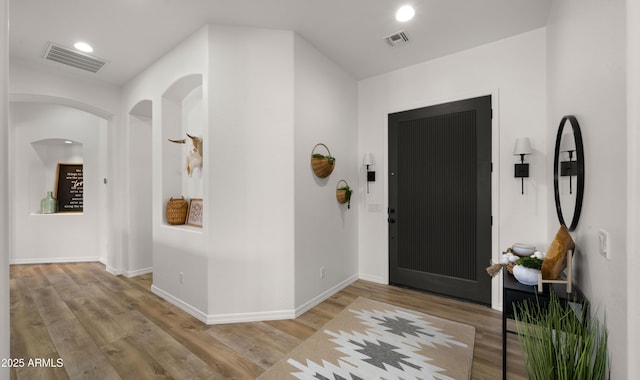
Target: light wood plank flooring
column 110, row 327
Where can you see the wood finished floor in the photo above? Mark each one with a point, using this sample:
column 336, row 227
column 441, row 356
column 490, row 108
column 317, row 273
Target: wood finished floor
column 110, row 327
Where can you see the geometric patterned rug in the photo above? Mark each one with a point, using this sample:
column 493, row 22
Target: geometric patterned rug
column 375, row 340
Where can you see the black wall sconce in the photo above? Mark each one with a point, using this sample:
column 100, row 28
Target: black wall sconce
column 371, row 175
column 522, row 148
column 569, row 168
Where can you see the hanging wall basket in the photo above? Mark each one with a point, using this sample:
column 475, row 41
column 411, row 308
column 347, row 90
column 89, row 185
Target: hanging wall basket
column 322, row 164
column 343, row 193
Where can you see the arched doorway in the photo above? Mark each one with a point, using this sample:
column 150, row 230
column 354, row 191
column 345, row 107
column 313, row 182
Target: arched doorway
column 139, row 256
column 44, row 132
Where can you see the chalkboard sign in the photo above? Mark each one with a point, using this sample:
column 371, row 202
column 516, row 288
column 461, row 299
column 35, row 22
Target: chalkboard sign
column 70, row 188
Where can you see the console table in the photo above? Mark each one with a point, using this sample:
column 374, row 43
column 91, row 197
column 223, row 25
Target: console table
column 513, row 292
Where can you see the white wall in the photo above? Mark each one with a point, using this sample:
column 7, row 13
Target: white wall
column 139, row 253
column 513, row 71
column 176, row 249
column 34, row 157
column 326, row 232
column 250, row 157
column 633, row 207
column 32, row 84
column 194, row 123
column 586, row 77
column 5, row 235
column 239, row 266
column 268, row 98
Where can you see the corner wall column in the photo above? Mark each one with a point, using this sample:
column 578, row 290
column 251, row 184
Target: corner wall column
column 4, row 191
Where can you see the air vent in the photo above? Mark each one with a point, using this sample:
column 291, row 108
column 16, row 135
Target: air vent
column 397, row 39
column 73, row 58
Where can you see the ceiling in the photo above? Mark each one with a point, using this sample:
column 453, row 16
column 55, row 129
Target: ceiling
column 132, row 34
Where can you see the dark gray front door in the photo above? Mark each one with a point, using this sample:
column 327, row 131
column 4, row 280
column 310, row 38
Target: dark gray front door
column 440, row 198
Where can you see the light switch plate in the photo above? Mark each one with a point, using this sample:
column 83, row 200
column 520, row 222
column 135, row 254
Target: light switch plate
column 374, row 207
column 603, row 240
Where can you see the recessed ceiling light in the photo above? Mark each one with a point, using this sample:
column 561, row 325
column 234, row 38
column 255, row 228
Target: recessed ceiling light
column 405, row 13
column 83, row 46
column 68, row 142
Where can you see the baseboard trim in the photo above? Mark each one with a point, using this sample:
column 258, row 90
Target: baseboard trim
column 219, row 319
column 216, row 319
column 253, row 316
column 376, row 279
column 55, row 260
column 195, row 312
column 138, row 272
column 323, row 296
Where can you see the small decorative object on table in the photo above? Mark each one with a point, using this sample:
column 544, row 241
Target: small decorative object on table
column 525, row 260
column 559, row 256
column 48, row 204
column 176, row 211
column 523, row 249
column 527, row 269
column 195, row 212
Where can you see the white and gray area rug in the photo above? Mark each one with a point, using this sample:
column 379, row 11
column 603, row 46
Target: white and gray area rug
column 374, row 340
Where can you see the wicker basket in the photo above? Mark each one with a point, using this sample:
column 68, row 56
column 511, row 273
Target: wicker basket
column 176, row 211
column 322, row 166
column 341, row 195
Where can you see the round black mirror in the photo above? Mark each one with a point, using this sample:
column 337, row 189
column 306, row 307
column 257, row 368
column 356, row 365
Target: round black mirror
column 568, row 171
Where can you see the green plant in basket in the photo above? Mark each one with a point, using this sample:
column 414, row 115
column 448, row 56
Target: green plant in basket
column 343, row 193
column 347, row 192
column 530, row 262
column 328, row 157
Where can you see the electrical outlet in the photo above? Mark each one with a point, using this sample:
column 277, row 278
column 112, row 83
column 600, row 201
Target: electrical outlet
column 603, row 239
column 322, row 272
column 181, row 278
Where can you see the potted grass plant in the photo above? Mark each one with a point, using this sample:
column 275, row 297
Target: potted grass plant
column 561, row 343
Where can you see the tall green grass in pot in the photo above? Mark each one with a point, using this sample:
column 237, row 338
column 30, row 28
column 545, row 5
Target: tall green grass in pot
column 561, row 343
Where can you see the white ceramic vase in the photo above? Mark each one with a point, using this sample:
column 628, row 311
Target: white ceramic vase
column 524, row 275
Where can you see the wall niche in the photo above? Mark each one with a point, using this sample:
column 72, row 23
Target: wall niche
column 48, row 153
column 45, row 135
column 183, row 112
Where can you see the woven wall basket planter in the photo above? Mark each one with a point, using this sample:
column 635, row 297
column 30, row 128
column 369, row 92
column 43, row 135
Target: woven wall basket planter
column 322, row 164
column 343, row 192
column 176, row 211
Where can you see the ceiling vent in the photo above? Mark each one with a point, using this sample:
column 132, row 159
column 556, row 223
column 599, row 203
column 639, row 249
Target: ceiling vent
column 397, row 39
column 73, row 58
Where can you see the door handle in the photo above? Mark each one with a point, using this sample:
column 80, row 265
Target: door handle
column 391, row 220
